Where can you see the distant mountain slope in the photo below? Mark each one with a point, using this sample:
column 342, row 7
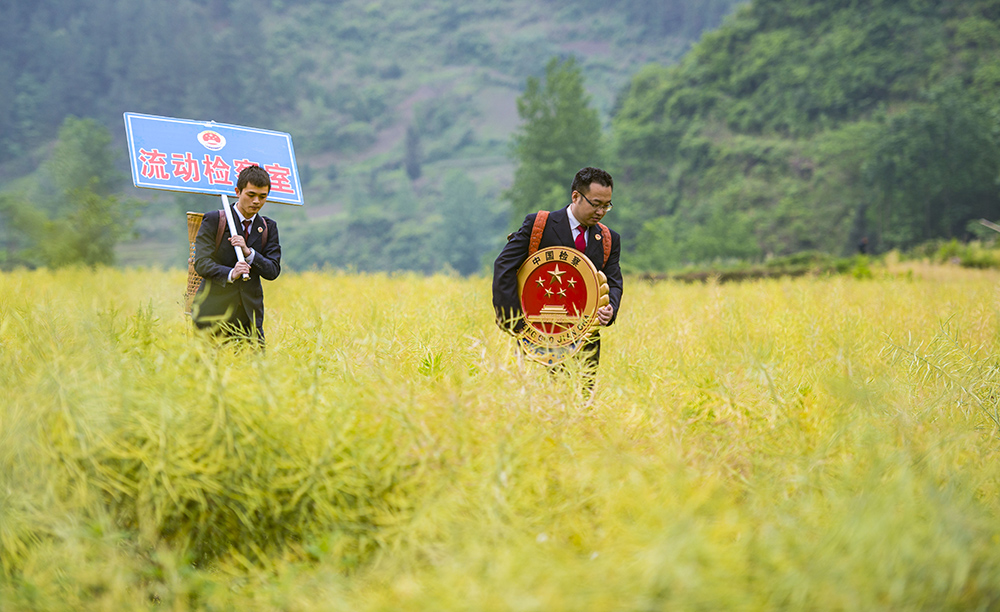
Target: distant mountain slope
column 347, row 78
column 401, row 112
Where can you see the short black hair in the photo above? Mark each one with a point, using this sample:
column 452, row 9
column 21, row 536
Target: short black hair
column 589, row 175
column 254, row 175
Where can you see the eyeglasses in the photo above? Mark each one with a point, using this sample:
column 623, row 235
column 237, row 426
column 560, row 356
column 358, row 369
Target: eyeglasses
column 604, row 207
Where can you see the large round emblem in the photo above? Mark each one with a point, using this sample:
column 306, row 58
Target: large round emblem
column 560, row 292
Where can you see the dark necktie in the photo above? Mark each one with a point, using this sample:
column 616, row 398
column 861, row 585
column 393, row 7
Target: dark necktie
column 581, row 241
column 246, row 228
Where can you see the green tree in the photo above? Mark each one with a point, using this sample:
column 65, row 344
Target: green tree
column 89, row 231
column 21, row 227
column 804, row 126
column 83, row 157
column 76, row 215
column 470, row 227
column 560, row 135
column 931, row 169
column 412, row 159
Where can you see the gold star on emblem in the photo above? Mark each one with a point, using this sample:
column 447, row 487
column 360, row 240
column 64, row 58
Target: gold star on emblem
column 540, row 282
column 557, row 274
column 571, row 282
column 548, row 293
column 562, row 293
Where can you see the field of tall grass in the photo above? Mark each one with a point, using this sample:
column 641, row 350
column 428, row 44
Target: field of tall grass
column 799, row 444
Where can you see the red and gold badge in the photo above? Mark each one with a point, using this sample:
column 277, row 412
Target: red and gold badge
column 560, row 292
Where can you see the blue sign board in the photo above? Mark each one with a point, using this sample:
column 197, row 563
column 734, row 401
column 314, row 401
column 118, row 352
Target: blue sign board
column 206, row 157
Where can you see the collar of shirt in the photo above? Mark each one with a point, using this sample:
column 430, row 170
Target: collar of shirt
column 573, row 224
column 240, row 218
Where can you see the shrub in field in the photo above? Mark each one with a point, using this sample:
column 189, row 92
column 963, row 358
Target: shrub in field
column 974, row 254
column 204, row 449
column 239, row 475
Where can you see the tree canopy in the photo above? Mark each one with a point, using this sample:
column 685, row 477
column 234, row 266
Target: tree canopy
column 800, row 125
column 74, row 214
column 560, row 134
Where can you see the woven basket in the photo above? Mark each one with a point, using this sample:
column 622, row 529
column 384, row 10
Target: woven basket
column 194, row 281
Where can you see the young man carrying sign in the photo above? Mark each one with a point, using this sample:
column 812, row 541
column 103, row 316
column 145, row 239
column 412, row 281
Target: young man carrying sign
column 227, row 303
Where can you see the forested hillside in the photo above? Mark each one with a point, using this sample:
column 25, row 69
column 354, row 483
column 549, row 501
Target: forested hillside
column 401, row 112
column 813, row 125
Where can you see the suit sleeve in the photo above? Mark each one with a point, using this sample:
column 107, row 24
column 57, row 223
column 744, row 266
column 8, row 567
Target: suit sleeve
column 268, row 263
column 613, row 271
column 205, row 261
column 506, row 301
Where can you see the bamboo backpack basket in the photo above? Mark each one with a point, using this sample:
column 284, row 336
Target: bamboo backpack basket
column 194, row 281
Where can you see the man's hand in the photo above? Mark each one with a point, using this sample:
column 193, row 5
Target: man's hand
column 239, row 241
column 241, row 268
column 604, row 314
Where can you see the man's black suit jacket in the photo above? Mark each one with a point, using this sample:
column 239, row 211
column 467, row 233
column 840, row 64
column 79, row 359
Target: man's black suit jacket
column 557, row 232
column 215, row 295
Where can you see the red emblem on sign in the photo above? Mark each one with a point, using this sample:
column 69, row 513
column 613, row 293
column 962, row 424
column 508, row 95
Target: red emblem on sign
column 212, row 140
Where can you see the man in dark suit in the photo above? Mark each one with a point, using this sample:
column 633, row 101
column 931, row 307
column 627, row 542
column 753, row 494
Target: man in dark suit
column 590, row 200
column 225, row 303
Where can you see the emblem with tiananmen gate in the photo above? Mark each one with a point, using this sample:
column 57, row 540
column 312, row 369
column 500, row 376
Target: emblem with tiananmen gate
column 560, row 291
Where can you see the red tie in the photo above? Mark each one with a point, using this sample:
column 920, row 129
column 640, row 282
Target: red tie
column 581, row 242
column 246, row 228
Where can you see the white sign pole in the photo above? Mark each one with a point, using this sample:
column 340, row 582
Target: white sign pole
column 992, row 226
column 232, row 229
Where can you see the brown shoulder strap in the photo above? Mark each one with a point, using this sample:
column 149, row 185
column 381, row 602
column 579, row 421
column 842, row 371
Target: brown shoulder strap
column 536, row 231
column 606, row 238
column 539, row 226
column 222, row 228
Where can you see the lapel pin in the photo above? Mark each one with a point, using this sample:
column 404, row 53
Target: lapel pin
column 260, row 230
column 597, row 237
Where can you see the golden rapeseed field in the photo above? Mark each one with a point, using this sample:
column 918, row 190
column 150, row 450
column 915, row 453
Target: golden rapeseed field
column 822, row 443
